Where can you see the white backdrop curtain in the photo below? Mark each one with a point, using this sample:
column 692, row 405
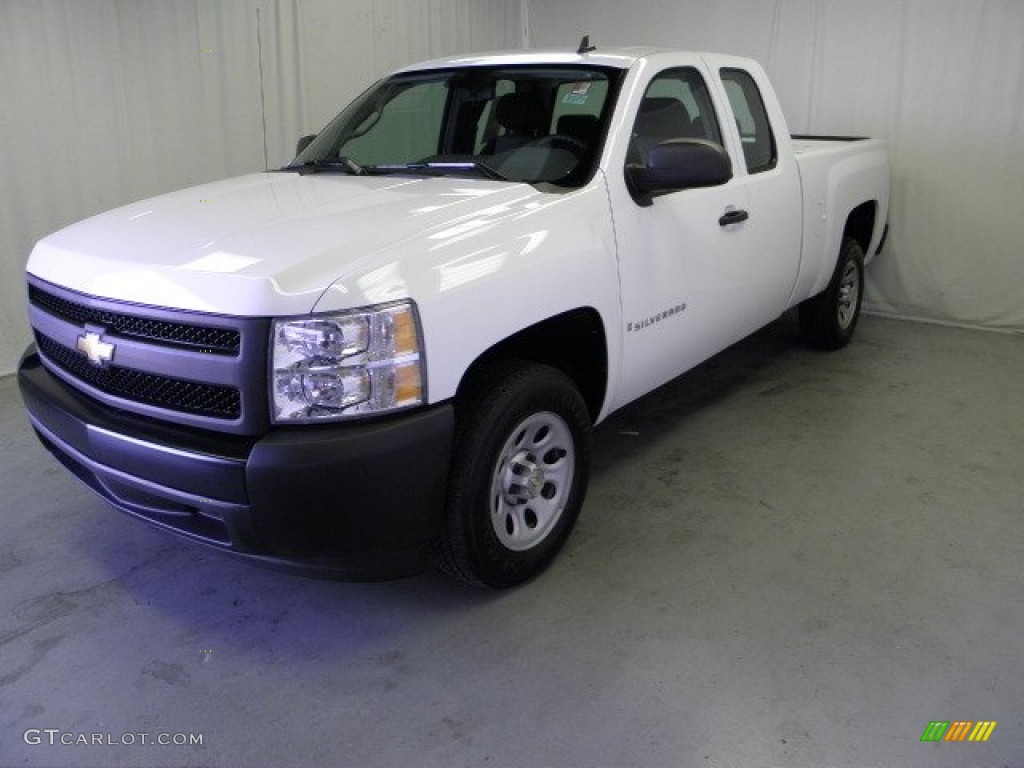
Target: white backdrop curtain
column 108, row 101
column 941, row 80
column 103, row 102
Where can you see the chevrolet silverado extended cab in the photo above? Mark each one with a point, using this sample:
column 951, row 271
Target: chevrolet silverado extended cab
column 395, row 347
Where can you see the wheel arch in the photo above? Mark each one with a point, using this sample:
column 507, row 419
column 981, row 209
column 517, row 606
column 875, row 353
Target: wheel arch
column 573, row 342
column 860, row 224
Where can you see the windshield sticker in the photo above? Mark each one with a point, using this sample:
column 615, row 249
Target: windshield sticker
column 578, row 95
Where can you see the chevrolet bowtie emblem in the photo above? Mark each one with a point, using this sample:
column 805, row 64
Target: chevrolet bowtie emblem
column 95, row 348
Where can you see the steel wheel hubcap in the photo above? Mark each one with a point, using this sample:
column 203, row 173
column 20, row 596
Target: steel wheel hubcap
column 531, row 481
column 849, row 293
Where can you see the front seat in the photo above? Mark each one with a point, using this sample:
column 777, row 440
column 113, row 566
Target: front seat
column 523, row 118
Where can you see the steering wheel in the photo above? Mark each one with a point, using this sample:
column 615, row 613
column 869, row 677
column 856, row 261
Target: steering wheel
column 571, row 144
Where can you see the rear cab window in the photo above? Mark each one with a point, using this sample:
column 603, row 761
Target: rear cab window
column 759, row 147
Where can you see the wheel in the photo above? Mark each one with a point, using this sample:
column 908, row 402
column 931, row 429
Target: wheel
column 519, row 474
column 828, row 320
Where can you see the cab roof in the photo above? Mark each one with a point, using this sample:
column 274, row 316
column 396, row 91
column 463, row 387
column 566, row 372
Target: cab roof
column 620, row 58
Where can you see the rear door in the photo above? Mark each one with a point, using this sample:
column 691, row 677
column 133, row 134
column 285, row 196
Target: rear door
column 767, row 170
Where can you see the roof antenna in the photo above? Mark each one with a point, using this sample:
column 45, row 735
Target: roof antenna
column 585, row 46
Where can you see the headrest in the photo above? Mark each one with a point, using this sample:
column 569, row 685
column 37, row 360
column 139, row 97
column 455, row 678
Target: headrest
column 522, row 113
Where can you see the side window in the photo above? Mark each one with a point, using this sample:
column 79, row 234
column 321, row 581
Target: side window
column 676, row 105
column 751, row 119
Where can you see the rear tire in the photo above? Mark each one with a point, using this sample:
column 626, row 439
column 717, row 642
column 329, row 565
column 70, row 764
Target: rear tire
column 519, row 474
column 828, row 320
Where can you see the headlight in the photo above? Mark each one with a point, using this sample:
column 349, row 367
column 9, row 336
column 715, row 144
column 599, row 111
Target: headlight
column 334, row 366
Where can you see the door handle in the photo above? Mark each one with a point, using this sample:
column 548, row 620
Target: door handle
column 733, row 217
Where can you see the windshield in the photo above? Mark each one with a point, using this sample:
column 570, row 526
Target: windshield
column 540, row 125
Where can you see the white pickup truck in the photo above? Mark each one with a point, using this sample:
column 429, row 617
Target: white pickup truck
column 394, row 349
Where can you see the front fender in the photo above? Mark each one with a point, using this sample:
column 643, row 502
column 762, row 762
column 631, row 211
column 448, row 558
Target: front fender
column 485, row 277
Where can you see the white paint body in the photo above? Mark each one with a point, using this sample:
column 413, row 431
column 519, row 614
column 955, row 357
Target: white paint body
column 484, row 259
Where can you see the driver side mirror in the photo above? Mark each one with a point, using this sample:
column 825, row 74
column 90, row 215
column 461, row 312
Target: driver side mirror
column 304, row 142
column 679, row 164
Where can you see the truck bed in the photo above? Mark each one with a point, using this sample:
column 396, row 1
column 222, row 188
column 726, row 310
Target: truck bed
column 837, row 173
column 805, row 144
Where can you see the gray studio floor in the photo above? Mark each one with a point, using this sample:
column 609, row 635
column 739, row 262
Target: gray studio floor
column 787, row 558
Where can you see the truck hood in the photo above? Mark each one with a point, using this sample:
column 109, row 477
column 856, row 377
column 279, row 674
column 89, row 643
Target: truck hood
column 266, row 243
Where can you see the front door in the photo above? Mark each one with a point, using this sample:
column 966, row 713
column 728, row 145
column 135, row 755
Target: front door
column 684, row 259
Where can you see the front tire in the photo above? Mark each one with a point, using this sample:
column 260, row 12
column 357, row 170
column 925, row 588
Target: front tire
column 519, row 474
column 828, row 320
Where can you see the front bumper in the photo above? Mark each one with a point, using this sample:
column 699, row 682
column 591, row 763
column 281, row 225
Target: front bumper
column 360, row 500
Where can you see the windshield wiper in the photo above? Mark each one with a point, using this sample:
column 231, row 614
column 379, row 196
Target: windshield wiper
column 344, row 164
column 441, row 167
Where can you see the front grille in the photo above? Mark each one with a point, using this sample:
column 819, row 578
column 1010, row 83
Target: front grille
column 193, row 397
column 222, row 341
